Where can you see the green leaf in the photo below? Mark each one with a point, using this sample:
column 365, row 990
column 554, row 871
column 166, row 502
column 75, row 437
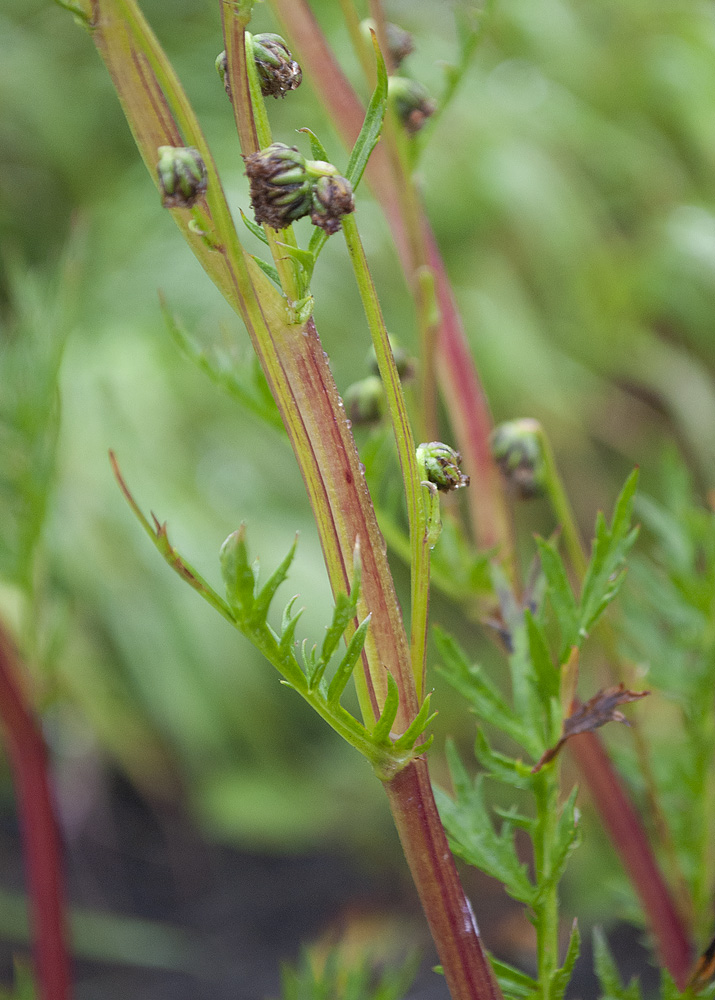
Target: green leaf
column 254, row 228
column 288, row 627
column 383, row 726
column 473, row 837
column 560, row 594
column 416, row 727
column 605, row 572
column 475, row 686
column 561, row 978
column 514, row 983
column 607, row 972
column 347, row 664
column 238, row 574
column 267, row 592
column 548, row 678
column 506, row 769
column 372, row 126
column 565, row 842
column 318, row 149
column 268, row 269
column 303, row 258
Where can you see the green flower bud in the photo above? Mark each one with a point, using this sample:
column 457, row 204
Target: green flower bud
column 399, row 41
column 222, row 70
column 277, row 70
column 332, row 199
column 404, row 363
column 365, row 400
column 411, row 101
column 516, row 448
column 281, row 188
column 182, row 176
column 441, row 466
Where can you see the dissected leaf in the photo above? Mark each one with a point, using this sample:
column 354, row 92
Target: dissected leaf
column 471, row 681
column 596, row 712
column 473, row 837
column 561, row 978
column 607, row 972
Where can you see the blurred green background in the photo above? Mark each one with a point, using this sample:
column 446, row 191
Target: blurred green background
column 571, row 185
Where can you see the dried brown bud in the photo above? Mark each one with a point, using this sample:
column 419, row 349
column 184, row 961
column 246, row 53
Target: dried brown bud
column 277, row 70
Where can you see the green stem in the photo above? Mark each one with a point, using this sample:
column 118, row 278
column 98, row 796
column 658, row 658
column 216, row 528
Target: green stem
column 416, row 512
column 561, row 505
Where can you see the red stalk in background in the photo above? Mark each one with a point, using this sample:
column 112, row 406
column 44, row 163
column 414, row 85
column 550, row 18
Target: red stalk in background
column 40, row 832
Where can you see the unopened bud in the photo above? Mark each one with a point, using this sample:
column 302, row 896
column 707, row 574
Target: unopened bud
column 399, row 42
column 332, row 199
column 442, row 466
column 277, row 69
column 365, row 400
column 281, row 190
column 404, row 363
column 222, row 70
column 182, row 176
column 517, row 450
column 411, row 101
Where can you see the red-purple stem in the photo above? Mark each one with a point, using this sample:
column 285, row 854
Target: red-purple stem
column 40, row 831
column 448, row 911
column 629, row 839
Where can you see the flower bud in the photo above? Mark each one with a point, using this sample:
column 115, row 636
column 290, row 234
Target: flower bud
column 517, row 450
column 182, row 176
column 281, row 189
column 399, row 42
column 365, row 400
column 277, row 70
column 411, row 101
column 222, row 70
column 332, row 199
column 403, row 362
column 441, row 465
column 285, row 187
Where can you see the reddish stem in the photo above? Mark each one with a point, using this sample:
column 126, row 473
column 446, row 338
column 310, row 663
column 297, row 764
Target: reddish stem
column 40, row 831
column 448, row 911
column 629, row 839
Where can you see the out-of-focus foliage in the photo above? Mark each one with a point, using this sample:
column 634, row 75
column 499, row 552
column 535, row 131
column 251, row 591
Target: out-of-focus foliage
column 669, row 622
column 333, row 979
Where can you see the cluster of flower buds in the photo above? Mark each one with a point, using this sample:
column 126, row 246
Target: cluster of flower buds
column 442, row 466
column 278, row 71
column 517, row 450
column 182, row 176
column 285, row 187
column 411, row 101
